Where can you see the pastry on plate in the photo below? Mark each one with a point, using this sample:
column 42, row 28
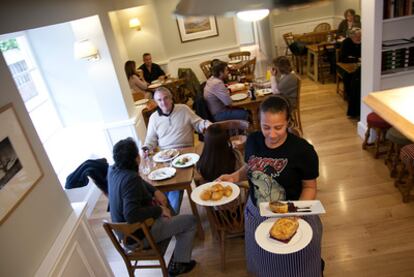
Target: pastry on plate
column 279, row 207
column 284, row 229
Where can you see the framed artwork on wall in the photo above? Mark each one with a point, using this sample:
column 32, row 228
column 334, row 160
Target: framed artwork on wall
column 19, row 168
column 197, row 27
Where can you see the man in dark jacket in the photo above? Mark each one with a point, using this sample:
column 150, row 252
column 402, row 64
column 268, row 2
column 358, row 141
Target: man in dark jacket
column 132, row 200
column 152, row 71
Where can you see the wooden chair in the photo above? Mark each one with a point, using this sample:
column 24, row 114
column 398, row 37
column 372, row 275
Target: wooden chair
column 136, row 251
column 380, row 126
column 407, row 168
column 296, row 121
column 248, row 70
column 237, row 130
column 147, row 112
column 227, row 221
column 138, row 96
column 206, row 68
column 324, row 64
column 321, row 27
column 179, row 91
column 242, row 55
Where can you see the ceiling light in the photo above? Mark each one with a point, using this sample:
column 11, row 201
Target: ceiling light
column 253, row 15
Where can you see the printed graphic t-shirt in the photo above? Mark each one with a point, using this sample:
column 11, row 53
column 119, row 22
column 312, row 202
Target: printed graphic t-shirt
column 277, row 174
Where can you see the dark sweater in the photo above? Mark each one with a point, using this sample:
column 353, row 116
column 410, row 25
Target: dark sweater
column 130, row 197
column 350, row 51
column 152, row 75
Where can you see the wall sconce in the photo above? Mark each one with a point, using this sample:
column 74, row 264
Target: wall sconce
column 84, row 49
column 134, row 23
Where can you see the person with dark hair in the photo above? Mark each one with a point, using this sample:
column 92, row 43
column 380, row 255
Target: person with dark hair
column 132, row 200
column 218, row 156
column 217, row 95
column 351, row 47
column 352, row 20
column 280, row 166
column 283, row 80
column 136, row 80
column 152, row 71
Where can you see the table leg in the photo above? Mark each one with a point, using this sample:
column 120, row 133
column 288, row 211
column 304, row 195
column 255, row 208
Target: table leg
column 255, row 119
column 315, row 67
column 200, row 230
column 308, row 65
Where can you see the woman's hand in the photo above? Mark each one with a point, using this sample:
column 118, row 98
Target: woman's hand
column 161, row 198
column 227, row 178
column 274, row 71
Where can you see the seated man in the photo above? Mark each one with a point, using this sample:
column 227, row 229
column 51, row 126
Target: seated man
column 132, row 200
column 172, row 126
column 217, row 95
column 152, row 71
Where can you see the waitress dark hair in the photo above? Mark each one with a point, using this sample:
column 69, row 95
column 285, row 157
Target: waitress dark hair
column 218, row 157
column 276, row 104
column 130, row 68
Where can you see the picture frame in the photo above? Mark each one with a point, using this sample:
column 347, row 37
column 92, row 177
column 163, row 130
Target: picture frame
column 197, row 27
column 19, row 167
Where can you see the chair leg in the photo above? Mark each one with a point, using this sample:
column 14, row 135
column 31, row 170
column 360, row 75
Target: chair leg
column 222, row 250
column 367, row 133
column 378, row 142
column 396, row 160
column 390, row 154
column 163, row 267
column 401, row 172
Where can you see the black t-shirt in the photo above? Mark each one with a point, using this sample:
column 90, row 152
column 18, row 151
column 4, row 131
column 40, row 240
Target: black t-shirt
column 156, row 72
column 277, row 174
column 350, row 51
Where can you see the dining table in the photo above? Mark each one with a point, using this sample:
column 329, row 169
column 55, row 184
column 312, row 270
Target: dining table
column 251, row 105
column 313, row 58
column 180, row 181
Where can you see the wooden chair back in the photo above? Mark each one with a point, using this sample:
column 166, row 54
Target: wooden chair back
column 296, row 121
column 226, row 220
column 136, row 251
column 206, row 68
column 178, row 90
column 237, row 130
column 147, row 112
column 248, row 70
column 242, row 55
column 288, row 38
column 321, row 27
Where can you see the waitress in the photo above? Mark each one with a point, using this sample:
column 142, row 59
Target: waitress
column 280, row 166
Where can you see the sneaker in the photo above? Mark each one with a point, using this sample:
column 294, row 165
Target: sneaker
column 175, row 269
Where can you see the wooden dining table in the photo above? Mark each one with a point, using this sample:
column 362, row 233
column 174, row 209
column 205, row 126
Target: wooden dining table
column 180, row 181
column 313, row 59
column 251, row 105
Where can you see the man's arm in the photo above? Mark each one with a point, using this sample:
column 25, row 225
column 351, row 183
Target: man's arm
column 197, row 122
column 132, row 196
column 222, row 93
column 151, row 140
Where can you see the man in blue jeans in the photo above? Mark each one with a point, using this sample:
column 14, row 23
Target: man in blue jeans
column 217, row 95
column 132, row 200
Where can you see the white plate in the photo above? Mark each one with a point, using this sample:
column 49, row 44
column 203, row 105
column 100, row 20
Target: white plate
column 195, row 195
column 192, row 159
column 238, row 96
column 299, row 241
column 162, row 173
column 316, row 207
column 141, row 102
column 171, row 153
column 152, row 86
column 234, row 61
column 264, row 91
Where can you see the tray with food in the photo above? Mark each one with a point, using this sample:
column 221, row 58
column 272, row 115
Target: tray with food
column 215, row 193
column 185, row 160
column 283, row 235
column 291, row 208
column 166, row 155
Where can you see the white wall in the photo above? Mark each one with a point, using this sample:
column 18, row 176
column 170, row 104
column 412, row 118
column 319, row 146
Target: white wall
column 309, row 12
column 342, row 5
column 66, row 77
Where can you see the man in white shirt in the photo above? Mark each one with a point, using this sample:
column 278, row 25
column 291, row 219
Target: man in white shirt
column 172, row 126
column 217, row 95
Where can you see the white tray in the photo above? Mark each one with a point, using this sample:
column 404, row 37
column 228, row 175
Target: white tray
column 316, row 207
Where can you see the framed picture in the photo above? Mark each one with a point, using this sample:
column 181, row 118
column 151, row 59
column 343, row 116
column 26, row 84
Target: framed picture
column 19, row 168
column 197, row 27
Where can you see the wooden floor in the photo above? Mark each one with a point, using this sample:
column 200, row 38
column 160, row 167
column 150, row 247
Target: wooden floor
column 368, row 231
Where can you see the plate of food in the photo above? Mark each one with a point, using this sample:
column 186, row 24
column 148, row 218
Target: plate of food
column 162, row 173
column 236, row 87
column 215, row 193
column 264, row 91
column 291, row 208
column 239, row 96
column 234, row 61
column 141, row 102
column 185, row 160
column 283, row 235
column 153, row 86
column 166, row 155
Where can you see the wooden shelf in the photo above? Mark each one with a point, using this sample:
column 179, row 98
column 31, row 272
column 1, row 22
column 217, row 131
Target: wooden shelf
column 397, row 72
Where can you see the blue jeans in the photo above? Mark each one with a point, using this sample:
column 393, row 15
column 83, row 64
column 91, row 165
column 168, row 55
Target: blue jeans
column 175, row 198
column 231, row 114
